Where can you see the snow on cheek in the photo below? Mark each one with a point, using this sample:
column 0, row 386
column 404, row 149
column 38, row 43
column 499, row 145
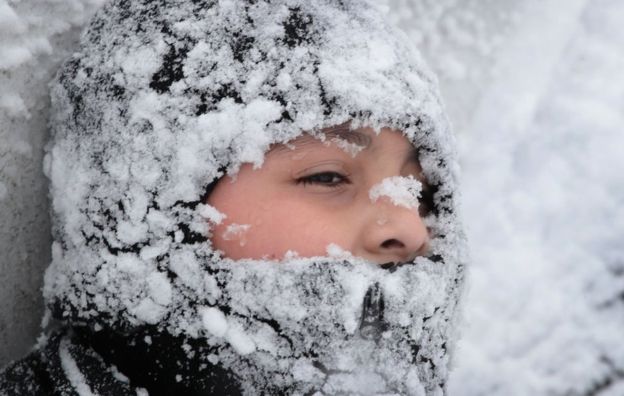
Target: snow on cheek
column 236, row 231
column 402, row 191
column 337, row 252
column 211, row 214
column 159, row 288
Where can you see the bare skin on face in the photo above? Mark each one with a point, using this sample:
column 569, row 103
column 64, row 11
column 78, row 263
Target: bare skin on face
column 310, row 194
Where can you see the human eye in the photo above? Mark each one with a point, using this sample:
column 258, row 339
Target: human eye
column 324, row 179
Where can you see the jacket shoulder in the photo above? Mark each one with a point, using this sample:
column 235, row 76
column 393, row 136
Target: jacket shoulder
column 27, row 376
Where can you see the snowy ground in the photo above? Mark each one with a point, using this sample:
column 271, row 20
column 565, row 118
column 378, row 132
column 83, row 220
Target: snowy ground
column 536, row 92
column 544, row 190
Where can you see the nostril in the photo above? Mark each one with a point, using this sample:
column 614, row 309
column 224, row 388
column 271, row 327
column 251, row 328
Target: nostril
column 392, row 243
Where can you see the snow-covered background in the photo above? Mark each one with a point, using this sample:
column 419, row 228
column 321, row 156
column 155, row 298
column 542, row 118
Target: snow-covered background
column 535, row 90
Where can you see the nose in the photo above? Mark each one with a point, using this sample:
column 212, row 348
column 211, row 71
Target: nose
column 393, row 233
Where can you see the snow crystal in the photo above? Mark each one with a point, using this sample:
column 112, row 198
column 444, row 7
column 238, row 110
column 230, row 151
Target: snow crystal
column 148, row 311
column 241, row 342
column 236, row 231
column 210, row 213
column 304, row 370
column 159, row 288
column 118, row 375
column 356, row 286
column 151, row 252
column 142, row 392
column 350, row 148
column 214, row 321
column 184, row 264
column 335, row 251
column 131, row 233
column 131, row 264
column 71, row 370
column 402, row 191
column 359, row 383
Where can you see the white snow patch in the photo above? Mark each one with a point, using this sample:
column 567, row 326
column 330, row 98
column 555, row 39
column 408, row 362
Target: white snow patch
column 159, row 288
column 118, row 375
column 211, row 213
column 402, row 191
column 214, row 321
column 142, row 392
column 131, row 233
column 335, row 251
column 148, row 311
column 71, row 370
column 242, row 343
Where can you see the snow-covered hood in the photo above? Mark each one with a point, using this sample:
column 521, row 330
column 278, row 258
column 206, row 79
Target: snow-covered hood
column 162, row 98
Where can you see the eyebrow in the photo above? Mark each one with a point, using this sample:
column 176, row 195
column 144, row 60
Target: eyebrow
column 339, row 132
column 351, row 136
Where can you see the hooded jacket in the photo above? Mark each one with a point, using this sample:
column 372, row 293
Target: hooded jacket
column 161, row 100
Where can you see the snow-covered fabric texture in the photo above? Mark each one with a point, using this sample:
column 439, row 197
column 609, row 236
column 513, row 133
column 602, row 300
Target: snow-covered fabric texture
column 160, row 101
column 63, row 365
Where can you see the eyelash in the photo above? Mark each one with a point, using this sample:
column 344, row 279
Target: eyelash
column 325, row 179
column 426, row 200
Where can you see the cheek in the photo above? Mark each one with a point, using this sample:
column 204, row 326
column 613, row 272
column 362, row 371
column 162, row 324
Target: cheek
column 277, row 225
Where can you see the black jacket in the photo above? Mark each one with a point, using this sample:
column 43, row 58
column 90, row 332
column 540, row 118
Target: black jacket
column 78, row 362
column 63, row 366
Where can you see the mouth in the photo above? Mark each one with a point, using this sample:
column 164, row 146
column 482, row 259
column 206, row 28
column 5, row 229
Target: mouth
column 393, row 265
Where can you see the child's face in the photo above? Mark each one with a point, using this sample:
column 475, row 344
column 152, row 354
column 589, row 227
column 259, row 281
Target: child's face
column 309, row 194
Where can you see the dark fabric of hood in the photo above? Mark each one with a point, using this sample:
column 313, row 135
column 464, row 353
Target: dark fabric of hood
column 163, row 98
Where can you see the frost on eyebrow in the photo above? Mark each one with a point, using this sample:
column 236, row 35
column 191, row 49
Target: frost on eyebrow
column 402, row 191
column 350, row 148
column 350, row 141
